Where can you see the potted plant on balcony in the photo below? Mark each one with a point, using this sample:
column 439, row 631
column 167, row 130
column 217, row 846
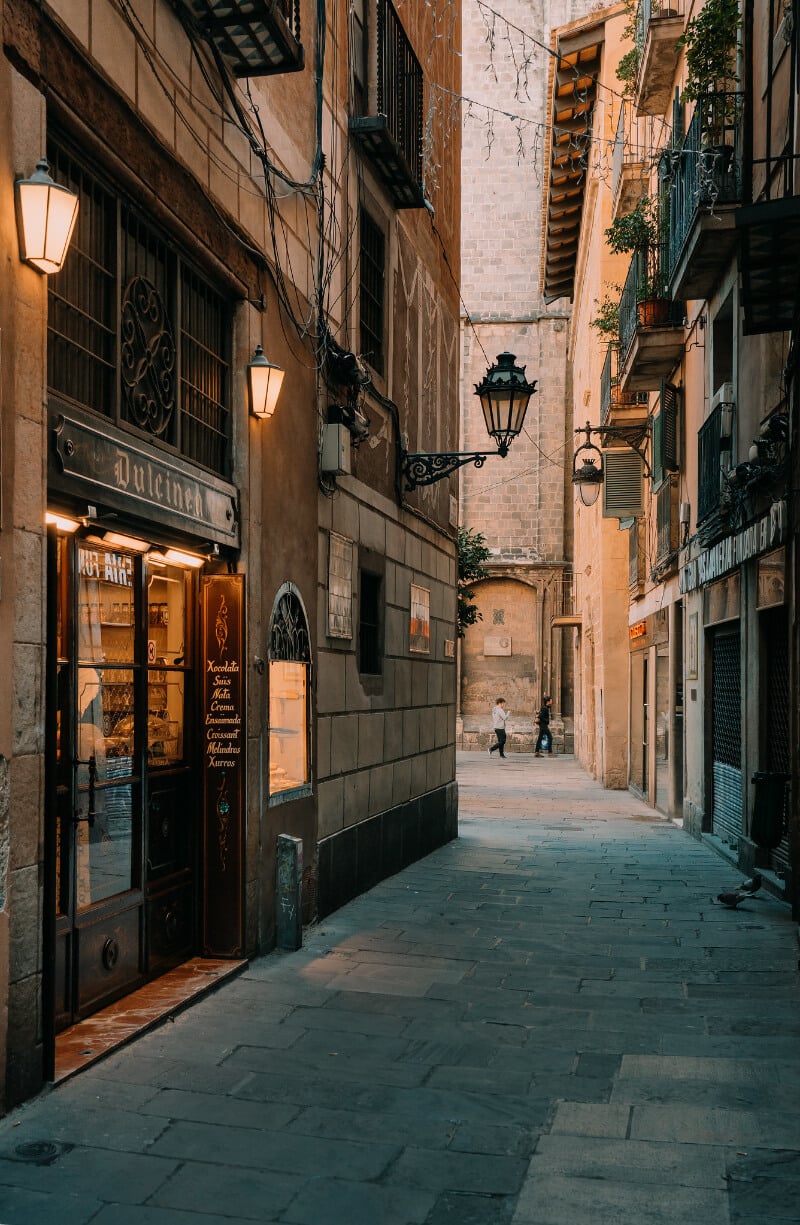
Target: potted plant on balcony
column 636, row 230
column 709, row 43
column 638, row 233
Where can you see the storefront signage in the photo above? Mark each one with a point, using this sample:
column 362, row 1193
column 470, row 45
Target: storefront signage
column 639, row 630
column 102, row 463
column 734, row 550
column 223, row 708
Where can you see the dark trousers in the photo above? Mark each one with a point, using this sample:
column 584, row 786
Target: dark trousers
column 501, row 741
column 544, row 735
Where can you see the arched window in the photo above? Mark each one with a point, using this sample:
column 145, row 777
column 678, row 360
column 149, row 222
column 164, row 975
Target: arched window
column 289, row 667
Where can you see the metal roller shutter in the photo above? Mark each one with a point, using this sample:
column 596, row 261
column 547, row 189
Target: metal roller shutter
column 727, row 737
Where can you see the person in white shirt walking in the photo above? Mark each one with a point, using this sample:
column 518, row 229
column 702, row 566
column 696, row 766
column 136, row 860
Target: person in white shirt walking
column 499, row 719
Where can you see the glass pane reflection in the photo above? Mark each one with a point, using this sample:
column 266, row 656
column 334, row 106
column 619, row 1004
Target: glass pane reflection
column 165, row 707
column 104, row 860
column 288, row 742
column 105, row 606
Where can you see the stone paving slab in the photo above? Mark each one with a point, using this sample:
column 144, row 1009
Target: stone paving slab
column 546, row 1021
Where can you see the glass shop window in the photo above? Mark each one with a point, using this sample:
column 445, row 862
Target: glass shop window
column 290, row 659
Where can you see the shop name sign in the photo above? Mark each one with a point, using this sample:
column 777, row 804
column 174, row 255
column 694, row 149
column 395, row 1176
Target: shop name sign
column 735, row 550
column 145, row 482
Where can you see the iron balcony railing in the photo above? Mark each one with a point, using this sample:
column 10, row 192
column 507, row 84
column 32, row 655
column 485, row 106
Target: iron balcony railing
column 648, row 9
column 645, row 300
column 708, row 464
column 610, row 395
column 399, row 86
column 387, row 122
column 707, row 170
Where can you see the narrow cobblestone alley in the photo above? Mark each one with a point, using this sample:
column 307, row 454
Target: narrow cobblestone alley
column 546, row 1021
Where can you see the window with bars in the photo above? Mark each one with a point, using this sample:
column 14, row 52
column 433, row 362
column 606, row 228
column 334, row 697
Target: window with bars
column 372, row 290
column 135, row 333
column 666, row 522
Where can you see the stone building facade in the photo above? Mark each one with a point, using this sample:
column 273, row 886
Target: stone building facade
column 220, row 627
column 522, row 647
column 684, row 560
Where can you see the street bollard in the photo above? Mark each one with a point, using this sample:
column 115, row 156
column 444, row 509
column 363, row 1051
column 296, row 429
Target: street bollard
column 288, row 892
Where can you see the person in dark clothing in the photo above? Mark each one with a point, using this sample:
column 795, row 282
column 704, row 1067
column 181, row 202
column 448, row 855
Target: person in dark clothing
column 545, row 737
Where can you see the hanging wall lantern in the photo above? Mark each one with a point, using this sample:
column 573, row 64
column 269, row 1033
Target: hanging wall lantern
column 46, row 214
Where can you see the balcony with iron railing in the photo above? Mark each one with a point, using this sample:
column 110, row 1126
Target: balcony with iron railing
column 667, row 527
column 628, row 174
column 254, row 37
column 704, row 180
column 619, row 407
column 659, row 25
column 651, row 336
column 635, row 557
column 390, row 132
column 708, row 464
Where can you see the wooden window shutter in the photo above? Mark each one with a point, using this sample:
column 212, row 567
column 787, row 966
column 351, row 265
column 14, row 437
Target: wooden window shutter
column 670, row 402
column 623, row 496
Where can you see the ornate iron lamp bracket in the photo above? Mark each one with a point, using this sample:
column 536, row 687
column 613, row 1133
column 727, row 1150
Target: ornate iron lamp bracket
column 634, row 436
column 426, row 469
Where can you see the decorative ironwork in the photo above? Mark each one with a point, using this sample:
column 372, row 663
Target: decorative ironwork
column 289, row 634
column 421, row 469
column 254, row 37
column 148, row 358
column 634, row 436
column 391, row 132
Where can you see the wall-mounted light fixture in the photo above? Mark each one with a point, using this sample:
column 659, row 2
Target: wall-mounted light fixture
column 61, row 522
column 504, row 395
column 46, row 214
column 587, row 472
column 264, row 380
column 176, row 557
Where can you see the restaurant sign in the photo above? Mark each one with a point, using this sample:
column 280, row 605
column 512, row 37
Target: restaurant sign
column 117, row 470
column 223, row 743
column 733, row 551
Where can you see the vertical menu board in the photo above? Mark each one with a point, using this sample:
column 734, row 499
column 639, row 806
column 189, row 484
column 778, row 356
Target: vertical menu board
column 223, row 762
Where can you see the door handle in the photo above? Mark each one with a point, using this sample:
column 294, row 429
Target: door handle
column 90, row 812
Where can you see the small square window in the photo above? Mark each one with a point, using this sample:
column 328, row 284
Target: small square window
column 498, row 616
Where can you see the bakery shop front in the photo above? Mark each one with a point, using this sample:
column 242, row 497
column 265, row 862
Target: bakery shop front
column 145, row 694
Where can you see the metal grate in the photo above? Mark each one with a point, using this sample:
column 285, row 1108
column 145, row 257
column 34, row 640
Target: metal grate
column 82, row 310
column 204, row 419
column 135, row 333
column 373, row 245
column 726, row 735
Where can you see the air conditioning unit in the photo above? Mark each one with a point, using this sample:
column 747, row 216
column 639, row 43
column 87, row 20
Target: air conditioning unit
column 723, row 395
column 723, row 399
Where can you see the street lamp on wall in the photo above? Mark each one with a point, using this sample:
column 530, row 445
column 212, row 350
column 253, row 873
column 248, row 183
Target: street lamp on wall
column 264, row 381
column 587, row 472
column 46, row 215
column 504, row 395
